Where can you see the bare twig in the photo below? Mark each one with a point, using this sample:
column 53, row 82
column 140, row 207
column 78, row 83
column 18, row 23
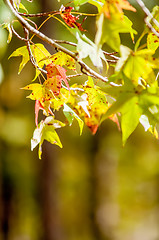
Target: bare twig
column 75, row 44
column 32, row 59
column 73, row 89
column 17, row 35
column 148, row 14
column 75, row 75
column 88, row 70
column 38, row 14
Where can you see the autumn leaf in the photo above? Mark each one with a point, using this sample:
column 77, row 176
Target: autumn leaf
column 70, row 19
column 96, row 105
column 108, row 30
column 8, row 27
column 61, row 59
column 116, row 6
column 38, row 51
column 152, row 39
column 55, row 75
column 70, row 115
column 46, row 131
column 137, row 65
column 86, row 48
column 42, row 97
column 39, row 106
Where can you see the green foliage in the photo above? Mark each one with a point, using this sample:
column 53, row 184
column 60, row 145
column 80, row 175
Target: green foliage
column 129, row 97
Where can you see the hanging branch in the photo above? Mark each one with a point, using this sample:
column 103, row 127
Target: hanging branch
column 148, row 14
column 32, row 59
column 51, row 42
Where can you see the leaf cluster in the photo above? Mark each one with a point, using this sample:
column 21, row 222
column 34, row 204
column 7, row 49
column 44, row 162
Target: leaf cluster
column 131, row 93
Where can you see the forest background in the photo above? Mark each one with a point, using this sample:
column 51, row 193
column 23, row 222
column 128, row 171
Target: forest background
column 93, row 188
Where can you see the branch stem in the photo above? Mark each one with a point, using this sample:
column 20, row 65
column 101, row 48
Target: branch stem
column 53, row 43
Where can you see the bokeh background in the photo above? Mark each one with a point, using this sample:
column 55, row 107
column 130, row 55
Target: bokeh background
column 93, row 188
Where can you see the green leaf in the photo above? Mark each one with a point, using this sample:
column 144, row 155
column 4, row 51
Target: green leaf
column 46, row 131
column 131, row 113
column 108, row 30
column 136, row 65
column 70, row 115
column 118, row 104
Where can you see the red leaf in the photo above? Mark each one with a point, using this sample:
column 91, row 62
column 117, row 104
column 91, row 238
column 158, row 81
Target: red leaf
column 70, row 19
column 39, row 106
column 93, row 128
column 54, row 84
column 57, row 74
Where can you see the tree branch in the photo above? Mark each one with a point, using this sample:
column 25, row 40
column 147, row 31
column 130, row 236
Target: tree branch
column 148, row 14
column 53, row 43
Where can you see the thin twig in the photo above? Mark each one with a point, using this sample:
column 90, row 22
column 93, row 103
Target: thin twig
column 75, row 75
column 32, row 59
column 148, row 14
column 51, row 42
column 73, row 89
column 75, row 45
column 17, row 35
column 38, row 14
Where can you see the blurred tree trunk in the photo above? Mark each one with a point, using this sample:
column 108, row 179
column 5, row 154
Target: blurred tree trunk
column 52, row 230
column 6, row 194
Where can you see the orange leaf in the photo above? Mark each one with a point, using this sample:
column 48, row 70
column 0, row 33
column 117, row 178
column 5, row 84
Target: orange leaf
column 54, row 84
column 57, row 73
column 111, row 6
column 70, row 19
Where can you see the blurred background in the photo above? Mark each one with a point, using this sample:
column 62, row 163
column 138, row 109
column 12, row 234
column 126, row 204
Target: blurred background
column 93, row 188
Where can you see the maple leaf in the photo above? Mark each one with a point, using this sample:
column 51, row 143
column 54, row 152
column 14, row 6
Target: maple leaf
column 70, row 19
column 131, row 65
column 39, row 106
column 111, row 6
column 42, row 97
column 56, row 73
column 70, row 115
column 86, row 47
column 96, row 105
column 152, row 39
column 61, row 59
column 46, row 131
column 38, row 51
column 108, row 30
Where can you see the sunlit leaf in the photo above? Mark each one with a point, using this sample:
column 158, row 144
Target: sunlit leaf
column 46, row 131
column 55, row 75
column 96, row 105
column 87, row 48
column 152, row 39
column 108, row 30
column 70, row 115
column 69, row 18
column 43, row 95
column 130, row 115
column 21, row 6
column 38, row 51
column 62, row 59
column 136, row 65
